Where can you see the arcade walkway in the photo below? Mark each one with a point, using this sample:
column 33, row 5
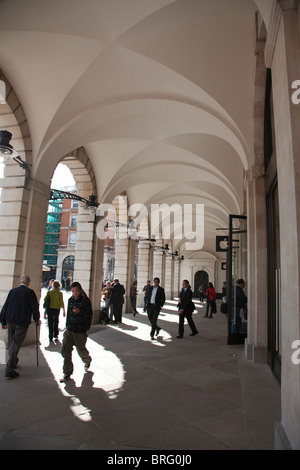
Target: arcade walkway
column 169, row 394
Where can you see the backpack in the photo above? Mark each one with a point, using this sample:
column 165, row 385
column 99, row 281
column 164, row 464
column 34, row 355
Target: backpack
column 47, row 299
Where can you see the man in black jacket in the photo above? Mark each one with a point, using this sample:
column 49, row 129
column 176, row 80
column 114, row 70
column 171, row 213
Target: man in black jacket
column 186, row 307
column 78, row 322
column 116, row 299
column 21, row 304
column 155, row 301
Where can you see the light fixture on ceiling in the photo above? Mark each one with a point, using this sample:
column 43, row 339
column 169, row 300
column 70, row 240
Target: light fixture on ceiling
column 7, row 151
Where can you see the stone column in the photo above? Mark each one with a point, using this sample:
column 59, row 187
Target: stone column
column 96, row 277
column 142, row 270
column 84, row 249
column 283, row 56
column 176, row 264
column 13, row 214
column 167, row 281
column 158, row 265
column 257, row 337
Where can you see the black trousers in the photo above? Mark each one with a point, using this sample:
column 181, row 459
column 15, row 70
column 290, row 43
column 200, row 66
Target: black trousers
column 188, row 316
column 52, row 315
column 117, row 312
column 153, row 313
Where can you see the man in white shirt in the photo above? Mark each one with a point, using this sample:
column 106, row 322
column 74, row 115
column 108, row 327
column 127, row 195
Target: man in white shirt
column 156, row 300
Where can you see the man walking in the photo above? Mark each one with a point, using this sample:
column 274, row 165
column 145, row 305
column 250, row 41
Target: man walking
column 239, row 299
column 117, row 300
column 186, row 307
column 156, row 300
column 21, row 304
column 79, row 316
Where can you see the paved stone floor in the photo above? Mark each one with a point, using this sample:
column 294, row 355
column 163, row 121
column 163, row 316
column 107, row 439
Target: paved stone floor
column 169, row 394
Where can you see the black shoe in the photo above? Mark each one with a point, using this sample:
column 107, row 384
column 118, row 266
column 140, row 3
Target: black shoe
column 152, row 337
column 65, row 378
column 194, row 334
column 205, row 316
column 179, row 336
column 157, row 330
column 12, row 374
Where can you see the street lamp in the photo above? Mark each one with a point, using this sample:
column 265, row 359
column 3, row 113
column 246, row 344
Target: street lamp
column 7, row 151
column 90, row 203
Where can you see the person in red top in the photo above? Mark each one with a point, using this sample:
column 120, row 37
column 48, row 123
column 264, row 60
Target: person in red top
column 210, row 299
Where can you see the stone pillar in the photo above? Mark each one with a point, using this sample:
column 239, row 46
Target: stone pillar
column 142, row 270
column 23, row 213
column 13, row 214
column 168, row 276
column 84, row 249
column 158, row 265
column 257, row 336
column 176, row 265
column 283, row 56
column 96, row 277
column 34, row 242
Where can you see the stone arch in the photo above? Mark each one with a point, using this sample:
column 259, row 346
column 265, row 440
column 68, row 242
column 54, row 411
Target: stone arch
column 15, row 206
column 88, row 264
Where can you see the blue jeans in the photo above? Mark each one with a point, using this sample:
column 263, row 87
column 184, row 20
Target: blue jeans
column 133, row 303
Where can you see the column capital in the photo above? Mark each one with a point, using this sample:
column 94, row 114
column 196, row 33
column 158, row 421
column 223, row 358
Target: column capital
column 40, row 187
column 255, row 172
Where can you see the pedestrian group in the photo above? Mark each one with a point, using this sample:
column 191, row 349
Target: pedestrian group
column 21, row 306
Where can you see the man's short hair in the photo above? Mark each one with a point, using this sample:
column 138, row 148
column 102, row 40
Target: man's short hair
column 156, row 279
column 24, row 279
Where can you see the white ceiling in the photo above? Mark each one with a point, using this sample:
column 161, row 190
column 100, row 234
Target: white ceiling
column 158, row 92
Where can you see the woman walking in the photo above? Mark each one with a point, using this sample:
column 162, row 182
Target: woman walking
column 56, row 302
column 211, row 298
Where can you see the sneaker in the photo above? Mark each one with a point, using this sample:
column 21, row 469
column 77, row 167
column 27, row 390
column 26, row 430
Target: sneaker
column 65, row 378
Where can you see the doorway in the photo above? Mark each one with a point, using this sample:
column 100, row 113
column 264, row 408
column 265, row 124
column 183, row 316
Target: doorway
column 201, row 277
column 273, row 235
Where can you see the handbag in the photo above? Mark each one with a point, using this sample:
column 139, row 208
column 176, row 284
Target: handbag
column 223, row 308
column 46, row 303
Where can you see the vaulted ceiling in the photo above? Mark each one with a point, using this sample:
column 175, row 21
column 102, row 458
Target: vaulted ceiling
column 158, row 92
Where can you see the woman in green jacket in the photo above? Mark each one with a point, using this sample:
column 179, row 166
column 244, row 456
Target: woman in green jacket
column 56, row 303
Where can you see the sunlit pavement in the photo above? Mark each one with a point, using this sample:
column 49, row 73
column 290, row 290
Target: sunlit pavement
column 141, row 394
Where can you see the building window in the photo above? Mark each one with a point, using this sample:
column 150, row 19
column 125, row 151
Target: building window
column 73, row 221
column 72, row 238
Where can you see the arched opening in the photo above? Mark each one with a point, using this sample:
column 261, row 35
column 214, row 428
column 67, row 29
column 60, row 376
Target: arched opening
column 67, row 271
column 200, row 278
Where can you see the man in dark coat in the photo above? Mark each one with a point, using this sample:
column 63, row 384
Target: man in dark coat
column 186, row 307
column 21, row 304
column 155, row 301
column 116, row 299
column 78, row 322
column 239, row 300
